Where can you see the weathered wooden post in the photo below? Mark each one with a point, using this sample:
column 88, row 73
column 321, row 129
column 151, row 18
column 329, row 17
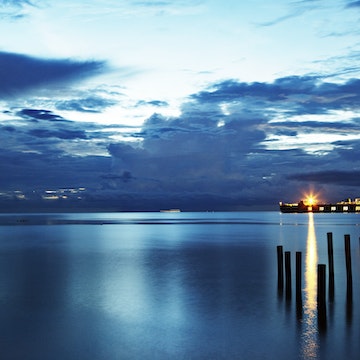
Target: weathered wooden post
column 287, row 274
column 298, row 275
column 298, row 285
column 321, row 296
column 331, row 265
column 280, row 262
column 348, row 267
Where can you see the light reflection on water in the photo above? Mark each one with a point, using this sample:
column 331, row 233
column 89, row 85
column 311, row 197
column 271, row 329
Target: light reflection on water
column 310, row 337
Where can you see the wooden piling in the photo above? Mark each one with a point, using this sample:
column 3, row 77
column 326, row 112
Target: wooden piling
column 299, row 305
column 280, row 261
column 348, row 266
column 321, row 284
column 331, row 265
column 321, row 295
column 298, row 275
column 287, row 274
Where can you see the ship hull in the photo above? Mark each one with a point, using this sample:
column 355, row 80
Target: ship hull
column 320, row 208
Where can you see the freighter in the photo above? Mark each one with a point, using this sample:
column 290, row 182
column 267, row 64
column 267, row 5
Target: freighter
column 311, row 205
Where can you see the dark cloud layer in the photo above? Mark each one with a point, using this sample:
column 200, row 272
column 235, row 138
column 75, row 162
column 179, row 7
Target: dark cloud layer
column 20, row 73
column 60, row 134
column 52, row 170
column 208, row 152
column 333, row 177
column 39, row 114
column 309, row 94
column 213, row 156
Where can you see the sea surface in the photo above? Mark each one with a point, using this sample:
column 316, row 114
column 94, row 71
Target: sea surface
column 175, row 286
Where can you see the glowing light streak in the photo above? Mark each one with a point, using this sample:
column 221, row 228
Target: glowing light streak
column 310, row 341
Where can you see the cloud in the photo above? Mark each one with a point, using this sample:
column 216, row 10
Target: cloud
column 295, row 95
column 14, row 9
column 217, row 143
column 48, row 170
column 20, row 73
column 215, row 155
column 157, row 103
column 60, row 134
column 90, row 104
column 40, row 131
column 63, row 131
column 36, row 114
column 16, row 3
column 298, row 8
column 197, row 153
column 278, row 90
column 353, row 4
column 334, row 177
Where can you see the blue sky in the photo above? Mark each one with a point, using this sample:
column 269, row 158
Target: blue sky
column 202, row 104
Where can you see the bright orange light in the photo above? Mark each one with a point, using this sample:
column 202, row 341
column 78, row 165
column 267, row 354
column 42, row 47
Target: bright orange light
column 310, row 199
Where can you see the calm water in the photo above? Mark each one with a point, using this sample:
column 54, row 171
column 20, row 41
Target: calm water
column 173, row 286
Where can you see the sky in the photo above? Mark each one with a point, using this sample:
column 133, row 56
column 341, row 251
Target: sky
column 193, row 104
